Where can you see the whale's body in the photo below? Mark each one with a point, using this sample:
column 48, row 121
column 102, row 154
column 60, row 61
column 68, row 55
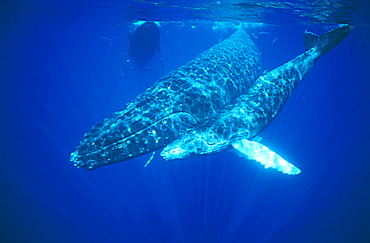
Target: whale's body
column 253, row 111
column 180, row 100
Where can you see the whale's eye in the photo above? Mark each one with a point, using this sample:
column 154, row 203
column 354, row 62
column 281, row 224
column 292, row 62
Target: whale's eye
column 211, row 141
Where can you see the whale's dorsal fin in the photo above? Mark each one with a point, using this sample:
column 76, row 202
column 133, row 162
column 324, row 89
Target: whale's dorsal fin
column 263, row 155
column 310, row 40
column 327, row 41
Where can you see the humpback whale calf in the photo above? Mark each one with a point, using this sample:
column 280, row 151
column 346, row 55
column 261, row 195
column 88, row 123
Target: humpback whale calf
column 242, row 120
column 180, row 100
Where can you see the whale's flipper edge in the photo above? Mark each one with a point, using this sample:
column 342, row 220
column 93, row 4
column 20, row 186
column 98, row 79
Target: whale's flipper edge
column 265, row 156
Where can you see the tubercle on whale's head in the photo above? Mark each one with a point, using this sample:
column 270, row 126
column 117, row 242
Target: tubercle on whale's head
column 194, row 144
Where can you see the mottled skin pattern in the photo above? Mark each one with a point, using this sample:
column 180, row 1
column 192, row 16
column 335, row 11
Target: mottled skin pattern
column 253, row 111
column 180, row 100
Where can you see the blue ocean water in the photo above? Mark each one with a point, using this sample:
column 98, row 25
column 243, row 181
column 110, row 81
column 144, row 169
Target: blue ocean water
column 61, row 73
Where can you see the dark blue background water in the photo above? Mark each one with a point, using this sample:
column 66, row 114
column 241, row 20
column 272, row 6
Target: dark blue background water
column 61, row 74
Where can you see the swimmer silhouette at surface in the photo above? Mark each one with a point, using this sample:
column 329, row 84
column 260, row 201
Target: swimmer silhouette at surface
column 143, row 42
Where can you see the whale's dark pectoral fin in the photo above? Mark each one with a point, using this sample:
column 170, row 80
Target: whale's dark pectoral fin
column 263, row 155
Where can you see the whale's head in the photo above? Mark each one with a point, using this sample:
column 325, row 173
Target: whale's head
column 193, row 144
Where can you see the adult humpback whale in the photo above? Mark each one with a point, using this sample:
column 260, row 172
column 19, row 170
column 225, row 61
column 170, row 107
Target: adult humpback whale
column 180, row 100
column 253, row 111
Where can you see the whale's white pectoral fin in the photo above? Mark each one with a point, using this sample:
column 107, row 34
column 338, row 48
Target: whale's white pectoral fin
column 262, row 154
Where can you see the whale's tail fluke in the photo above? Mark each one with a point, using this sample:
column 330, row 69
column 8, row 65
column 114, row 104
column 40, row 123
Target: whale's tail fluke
column 327, row 41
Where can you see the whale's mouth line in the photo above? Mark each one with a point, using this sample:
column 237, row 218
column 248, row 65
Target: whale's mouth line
column 193, row 123
column 177, row 151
